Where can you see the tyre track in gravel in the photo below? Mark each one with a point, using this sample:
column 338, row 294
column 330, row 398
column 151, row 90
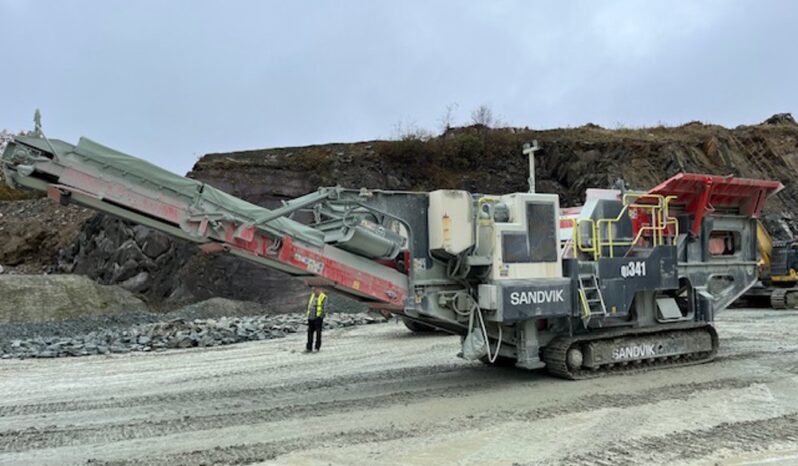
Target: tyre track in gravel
column 24, row 440
column 754, row 354
column 273, row 391
column 265, row 392
column 263, row 451
column 685, row 446
column 752, row 435
column 254, row 402
column 28, row 439
column 300, row 406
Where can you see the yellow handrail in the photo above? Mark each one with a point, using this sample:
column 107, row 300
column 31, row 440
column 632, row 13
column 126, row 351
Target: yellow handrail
column 659, row 214
column 576, row 237
column 585, row 307
column 575, row 234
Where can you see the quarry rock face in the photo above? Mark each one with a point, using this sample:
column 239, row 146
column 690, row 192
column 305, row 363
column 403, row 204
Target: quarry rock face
column 168, row 271
column 476, row 159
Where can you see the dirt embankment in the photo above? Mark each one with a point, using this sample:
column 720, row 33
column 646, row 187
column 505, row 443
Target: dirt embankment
column 32, row 232
column 41, row 298
column 475, row 158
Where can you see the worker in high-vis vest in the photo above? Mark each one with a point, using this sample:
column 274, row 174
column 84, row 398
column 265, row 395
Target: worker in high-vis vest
column 316, row 310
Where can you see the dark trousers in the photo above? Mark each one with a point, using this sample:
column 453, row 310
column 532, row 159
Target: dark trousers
column 314, row 328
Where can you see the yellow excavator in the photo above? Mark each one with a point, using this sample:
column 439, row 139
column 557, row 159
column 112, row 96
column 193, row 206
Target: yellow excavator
column 778, row 271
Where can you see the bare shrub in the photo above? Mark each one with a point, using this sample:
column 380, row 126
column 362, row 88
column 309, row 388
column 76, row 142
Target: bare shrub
column 483, row 115
column 410, row 132
column 447, row 119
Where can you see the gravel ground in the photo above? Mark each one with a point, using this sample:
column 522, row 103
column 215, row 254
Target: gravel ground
column 378, row 394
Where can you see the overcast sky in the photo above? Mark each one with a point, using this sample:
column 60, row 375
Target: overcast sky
column 171, row 80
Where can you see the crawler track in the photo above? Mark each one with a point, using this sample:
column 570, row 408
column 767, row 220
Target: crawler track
column 784, row 298
column 556, row 353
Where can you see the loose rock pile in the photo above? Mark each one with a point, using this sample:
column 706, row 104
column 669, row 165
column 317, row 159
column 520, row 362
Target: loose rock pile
column 176, row 333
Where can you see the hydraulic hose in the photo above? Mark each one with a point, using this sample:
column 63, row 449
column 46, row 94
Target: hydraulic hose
column 478, row 311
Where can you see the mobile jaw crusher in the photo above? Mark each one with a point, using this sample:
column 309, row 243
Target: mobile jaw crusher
column 628, row 281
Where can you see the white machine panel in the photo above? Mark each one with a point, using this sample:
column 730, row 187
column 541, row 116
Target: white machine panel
column 451, row 221
column 488, row 296
column 528, row 245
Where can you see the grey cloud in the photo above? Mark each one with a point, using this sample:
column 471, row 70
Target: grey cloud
column 172, row 80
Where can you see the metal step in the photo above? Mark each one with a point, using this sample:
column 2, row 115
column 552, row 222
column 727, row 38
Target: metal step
column 593, row 305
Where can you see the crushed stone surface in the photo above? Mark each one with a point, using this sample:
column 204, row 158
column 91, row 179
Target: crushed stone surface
column 378, row 394
column 143, row 331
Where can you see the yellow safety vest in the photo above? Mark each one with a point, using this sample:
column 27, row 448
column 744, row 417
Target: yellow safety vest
column 319, row 304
